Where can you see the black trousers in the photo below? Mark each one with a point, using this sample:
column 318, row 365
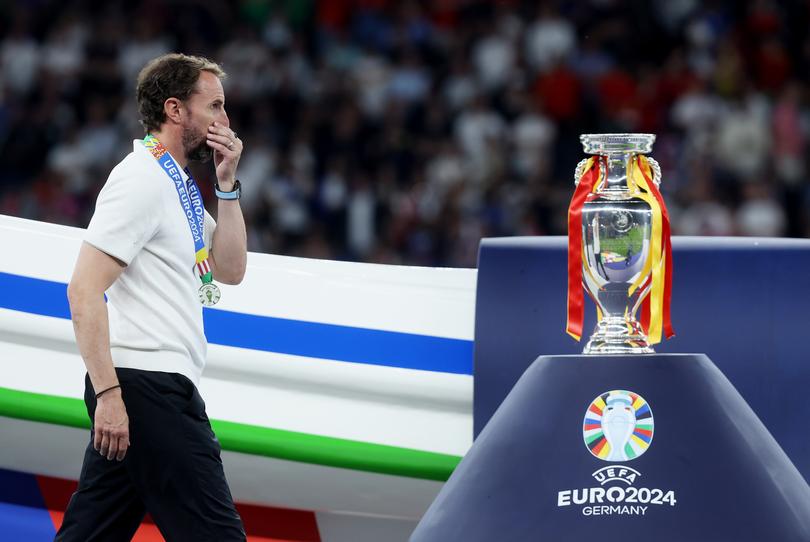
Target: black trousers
column 172, row 470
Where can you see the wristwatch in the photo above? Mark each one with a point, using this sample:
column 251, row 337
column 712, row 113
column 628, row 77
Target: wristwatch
column 235, row 192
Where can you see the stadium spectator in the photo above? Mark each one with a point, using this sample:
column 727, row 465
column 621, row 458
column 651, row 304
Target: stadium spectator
column 403, row 131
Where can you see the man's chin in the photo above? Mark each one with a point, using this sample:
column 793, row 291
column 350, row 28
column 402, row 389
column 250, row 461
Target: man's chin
column 203, row 154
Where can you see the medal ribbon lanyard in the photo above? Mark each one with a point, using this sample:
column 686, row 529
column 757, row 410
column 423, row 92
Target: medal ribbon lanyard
column 190, row 200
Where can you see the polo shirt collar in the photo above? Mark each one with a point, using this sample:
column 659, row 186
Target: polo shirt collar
column 140, row 151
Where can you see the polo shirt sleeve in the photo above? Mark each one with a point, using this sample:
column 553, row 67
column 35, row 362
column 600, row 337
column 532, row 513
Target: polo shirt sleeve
column 127, row 216
column 210, row 226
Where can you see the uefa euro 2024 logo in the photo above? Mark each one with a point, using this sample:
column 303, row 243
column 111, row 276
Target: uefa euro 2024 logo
column 618, row 426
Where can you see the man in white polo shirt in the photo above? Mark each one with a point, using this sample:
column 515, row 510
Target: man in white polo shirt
column 155, row 251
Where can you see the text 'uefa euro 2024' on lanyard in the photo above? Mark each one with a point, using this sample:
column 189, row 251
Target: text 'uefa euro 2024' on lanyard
column 191, row 201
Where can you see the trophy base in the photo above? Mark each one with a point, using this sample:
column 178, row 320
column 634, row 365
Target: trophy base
column 618, row 336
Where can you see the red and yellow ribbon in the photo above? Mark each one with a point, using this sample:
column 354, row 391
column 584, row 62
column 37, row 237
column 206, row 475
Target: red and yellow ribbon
column 657, row 271
column 655, row 310
column 576, row 302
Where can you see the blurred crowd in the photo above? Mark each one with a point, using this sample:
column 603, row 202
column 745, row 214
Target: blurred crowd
column 405, row 131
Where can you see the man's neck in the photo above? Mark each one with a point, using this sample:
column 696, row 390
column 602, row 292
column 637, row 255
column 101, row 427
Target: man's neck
column 174, row 143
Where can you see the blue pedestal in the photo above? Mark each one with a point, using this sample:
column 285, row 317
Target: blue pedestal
column 711, row 471
column 741, row 301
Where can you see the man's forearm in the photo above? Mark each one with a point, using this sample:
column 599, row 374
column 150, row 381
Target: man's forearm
column 230, row 243
column 91, row 326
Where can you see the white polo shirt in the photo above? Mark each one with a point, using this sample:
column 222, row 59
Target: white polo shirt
column 155, row 313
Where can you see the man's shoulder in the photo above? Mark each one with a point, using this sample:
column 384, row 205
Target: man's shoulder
column 133, row 171
column 133, row 164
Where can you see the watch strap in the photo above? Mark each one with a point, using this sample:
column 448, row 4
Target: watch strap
column 234, row 193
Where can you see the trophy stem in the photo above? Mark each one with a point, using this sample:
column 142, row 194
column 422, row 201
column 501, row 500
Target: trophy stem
column 618, row 335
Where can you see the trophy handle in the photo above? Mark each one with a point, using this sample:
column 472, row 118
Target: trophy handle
column 579, row 169
column 656, row 170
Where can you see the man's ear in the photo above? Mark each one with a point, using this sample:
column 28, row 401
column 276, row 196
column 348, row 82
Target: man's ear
column 173, row 109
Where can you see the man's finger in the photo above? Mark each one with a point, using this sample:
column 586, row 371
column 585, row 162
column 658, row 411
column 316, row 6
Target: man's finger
column 112, row 451
column 221, row 139
column 226, row 139
column 96, row 438
column 123, row 444
column 105, row 442
column 218, row 146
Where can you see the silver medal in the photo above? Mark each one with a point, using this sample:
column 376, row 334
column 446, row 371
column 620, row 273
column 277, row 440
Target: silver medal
column 209, row 294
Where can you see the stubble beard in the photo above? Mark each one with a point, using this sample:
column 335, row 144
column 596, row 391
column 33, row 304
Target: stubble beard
column 195, row 145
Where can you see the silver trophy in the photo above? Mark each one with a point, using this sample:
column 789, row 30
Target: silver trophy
column 616, row 238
